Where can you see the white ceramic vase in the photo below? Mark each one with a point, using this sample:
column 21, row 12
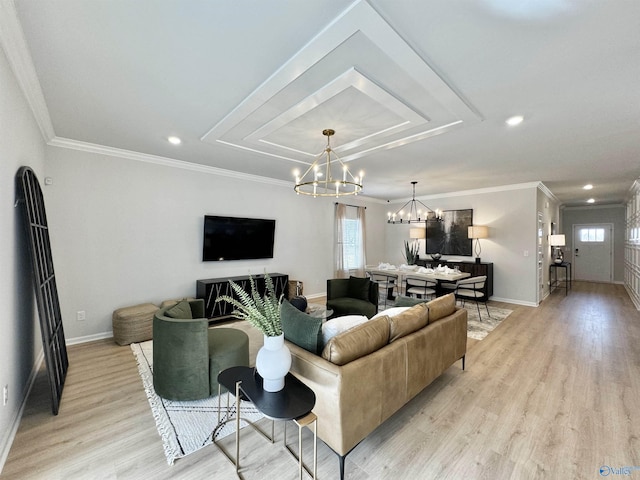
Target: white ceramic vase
column 273, row 363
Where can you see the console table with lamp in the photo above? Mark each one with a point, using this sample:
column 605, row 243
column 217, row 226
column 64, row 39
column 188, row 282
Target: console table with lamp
column 557, row 242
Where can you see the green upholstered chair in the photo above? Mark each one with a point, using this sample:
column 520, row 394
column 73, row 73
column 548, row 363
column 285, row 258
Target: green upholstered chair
column 352, row 296
column 188, row 355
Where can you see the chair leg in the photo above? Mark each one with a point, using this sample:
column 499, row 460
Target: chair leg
column 485, row 306
column 478, row 307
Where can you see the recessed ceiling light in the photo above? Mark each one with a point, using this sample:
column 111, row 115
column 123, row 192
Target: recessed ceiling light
column 174, row 140
column 591, row 200
column 588, row 186
column 515, row 120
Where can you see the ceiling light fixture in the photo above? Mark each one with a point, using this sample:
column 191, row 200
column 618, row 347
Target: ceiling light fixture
column 412, row 213
column 343, row 184
column 591, row 200
column 588, row 186
column 515, row 120
column 174, row 140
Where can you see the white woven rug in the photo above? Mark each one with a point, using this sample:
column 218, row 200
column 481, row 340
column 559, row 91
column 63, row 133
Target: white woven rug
column 186, row 427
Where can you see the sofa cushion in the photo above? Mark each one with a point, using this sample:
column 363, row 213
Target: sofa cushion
column 359, row 288
column 300, row 328
column 402, row 301
column 337, row 325
column 441, row 307
column 408, row 321
column 358, row 341
column 179, row 310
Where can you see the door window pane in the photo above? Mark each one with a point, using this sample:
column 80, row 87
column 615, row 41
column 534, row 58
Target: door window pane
column 592, row 234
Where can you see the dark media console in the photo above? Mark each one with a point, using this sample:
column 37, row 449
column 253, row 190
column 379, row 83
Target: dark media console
column 212, row 288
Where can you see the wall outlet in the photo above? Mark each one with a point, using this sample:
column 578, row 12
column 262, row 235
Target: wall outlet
column 81, row 316
column 5, row 395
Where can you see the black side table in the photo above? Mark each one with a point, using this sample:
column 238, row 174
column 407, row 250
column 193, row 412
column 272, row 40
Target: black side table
column 294, row 402
column 567, row 276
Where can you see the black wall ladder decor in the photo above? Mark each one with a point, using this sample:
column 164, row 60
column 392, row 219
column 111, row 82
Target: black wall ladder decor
column 44, row 282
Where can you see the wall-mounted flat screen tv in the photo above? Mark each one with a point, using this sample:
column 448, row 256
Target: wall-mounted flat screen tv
column 233, row 238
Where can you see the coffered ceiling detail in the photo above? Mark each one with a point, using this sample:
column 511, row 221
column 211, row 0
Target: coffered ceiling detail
column 357, row 76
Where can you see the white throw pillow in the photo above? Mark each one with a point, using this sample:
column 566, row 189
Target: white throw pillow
column 337, row 325
column 391, row 312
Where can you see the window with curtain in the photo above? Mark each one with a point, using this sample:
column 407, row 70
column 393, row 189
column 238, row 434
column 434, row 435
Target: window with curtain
column 349, row 241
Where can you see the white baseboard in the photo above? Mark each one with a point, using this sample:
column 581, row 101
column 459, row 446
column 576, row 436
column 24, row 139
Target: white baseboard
column 7, row 441
column 89, row 338
column 515, row 302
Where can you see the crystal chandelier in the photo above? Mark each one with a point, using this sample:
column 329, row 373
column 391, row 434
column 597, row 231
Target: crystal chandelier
column 318, row 180
column 414, row 211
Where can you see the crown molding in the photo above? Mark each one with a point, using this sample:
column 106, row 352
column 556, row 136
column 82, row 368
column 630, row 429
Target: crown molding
column 17, row 52
column 163, row 161
column 477, row 191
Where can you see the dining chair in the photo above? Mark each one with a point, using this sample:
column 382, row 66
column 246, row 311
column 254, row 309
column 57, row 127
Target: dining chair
column 387, row 282
column 473, row 288
column 419, row 287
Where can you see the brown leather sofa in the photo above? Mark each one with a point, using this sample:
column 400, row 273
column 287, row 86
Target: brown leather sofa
column 356, row 379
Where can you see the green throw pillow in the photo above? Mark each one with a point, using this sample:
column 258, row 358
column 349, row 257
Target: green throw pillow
column 359, row 288
column 300, row 328
column 402, row 301
column 180, row 310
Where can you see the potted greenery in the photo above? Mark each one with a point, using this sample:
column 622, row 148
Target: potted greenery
column 263, row 312
column 411, row 252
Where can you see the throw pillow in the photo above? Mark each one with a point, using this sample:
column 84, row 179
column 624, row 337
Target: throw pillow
column 359, row 288
column 391, row 312
column 337, row 325
column 441, row 307
column 300, row 328
column 408, row 321
column 180, row 310
column 402, row 301
column 357, row 342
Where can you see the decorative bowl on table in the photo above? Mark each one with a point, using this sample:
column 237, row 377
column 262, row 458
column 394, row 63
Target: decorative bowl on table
column 436, row 256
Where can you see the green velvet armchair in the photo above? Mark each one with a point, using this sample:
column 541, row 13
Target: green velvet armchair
column 188, row 355
column 352, row 296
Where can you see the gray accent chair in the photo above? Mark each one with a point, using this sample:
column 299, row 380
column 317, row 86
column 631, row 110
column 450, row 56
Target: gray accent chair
column 352, row 296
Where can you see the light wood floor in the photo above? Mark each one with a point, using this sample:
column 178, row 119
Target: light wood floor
column 553, row 392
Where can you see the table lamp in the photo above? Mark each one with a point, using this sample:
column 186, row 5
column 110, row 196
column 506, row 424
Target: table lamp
column 557, row 241
column 476, row 232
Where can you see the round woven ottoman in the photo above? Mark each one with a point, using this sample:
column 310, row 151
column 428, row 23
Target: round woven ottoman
column 228, row 347
column 133, row 324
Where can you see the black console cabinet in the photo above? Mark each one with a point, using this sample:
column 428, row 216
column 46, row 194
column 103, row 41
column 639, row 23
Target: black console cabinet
column 475, row 269
column 213, row 288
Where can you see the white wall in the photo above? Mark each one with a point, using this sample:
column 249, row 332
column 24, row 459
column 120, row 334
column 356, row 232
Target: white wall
column 20, row 144
column 510, row 214
column 125, row 232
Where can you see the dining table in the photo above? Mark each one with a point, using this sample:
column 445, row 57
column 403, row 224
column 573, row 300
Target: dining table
column 447, row 275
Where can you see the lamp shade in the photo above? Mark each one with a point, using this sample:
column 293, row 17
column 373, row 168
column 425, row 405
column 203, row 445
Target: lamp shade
column 478, row 231
column 417, row 233
column 557, row 240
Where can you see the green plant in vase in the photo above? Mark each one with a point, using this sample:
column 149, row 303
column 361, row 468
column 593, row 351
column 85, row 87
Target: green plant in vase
column 411, row 252
column 263, row 312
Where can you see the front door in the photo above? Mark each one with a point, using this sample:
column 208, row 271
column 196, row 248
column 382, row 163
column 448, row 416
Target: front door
column 593, row 252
